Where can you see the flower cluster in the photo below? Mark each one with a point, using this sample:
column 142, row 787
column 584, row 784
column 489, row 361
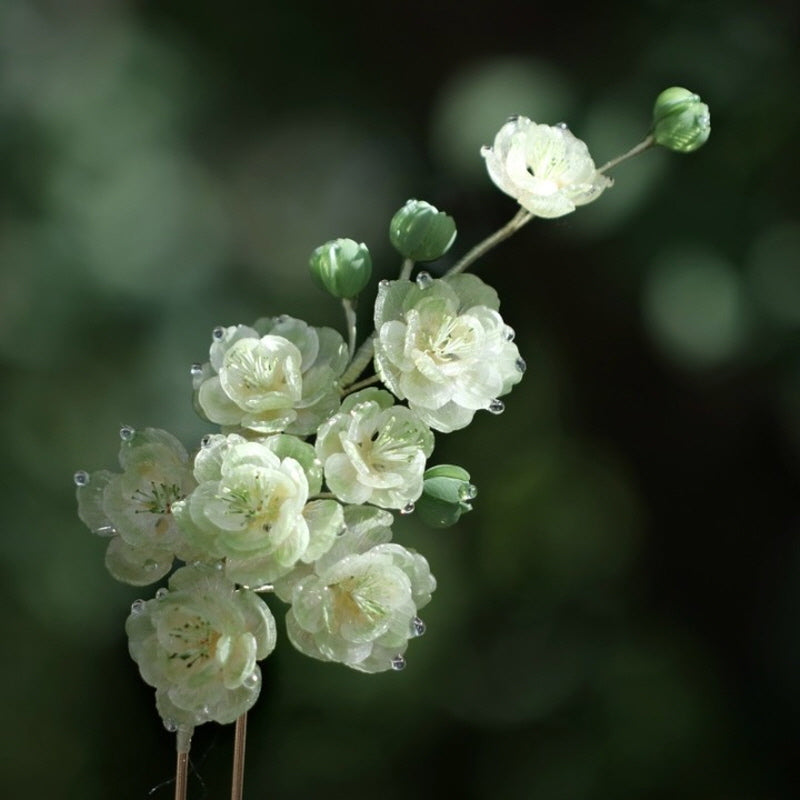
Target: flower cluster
column 294, row 491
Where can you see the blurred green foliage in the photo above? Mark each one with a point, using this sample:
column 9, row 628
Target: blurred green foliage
column 619, row 617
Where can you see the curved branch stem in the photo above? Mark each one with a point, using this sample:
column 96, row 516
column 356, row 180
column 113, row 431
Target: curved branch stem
column 646, row 143
column 522, row 217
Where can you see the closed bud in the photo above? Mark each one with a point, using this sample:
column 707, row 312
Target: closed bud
column 342, row 267
column 421, row 232
column 681, row 121
column 445, row 495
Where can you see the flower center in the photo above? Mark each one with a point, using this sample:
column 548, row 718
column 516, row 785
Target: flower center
column 354, row 599
column 191, row 641
column 258, row 500
column 158, row 499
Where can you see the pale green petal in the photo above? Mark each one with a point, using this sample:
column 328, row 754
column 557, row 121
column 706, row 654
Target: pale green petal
column 332, row 350
column 390, row 300
column 342, row 479
column 381, row 398
column 90, row 503
column 240, row 662
column 291, row 447
column 270, row 421
column 230, row 336
column 207, row 462
column 472, row 291
column 304, row 337
column 325, row 519
column 259, row 621
column 137, row 566
column 151, row 445
column 172, row 715
column 216, row 405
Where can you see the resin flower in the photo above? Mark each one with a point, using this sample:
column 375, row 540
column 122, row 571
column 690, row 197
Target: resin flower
column 374, row 451
column 135, row 507
column 251, row 506
column 279, row 375
column 442, row 346
column 358, row 605
column 197, row 644
column 546, row 169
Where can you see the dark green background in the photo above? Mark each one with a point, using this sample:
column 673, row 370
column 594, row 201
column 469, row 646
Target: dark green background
column 618, row 618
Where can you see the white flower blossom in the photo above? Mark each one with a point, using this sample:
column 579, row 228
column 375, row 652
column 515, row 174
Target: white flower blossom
column 279, row 375
column 197, row 644
column 546, row 169
column 134, row 507
column 442, row 346
column 251, row 507
column 374, row 451
column 358, row 603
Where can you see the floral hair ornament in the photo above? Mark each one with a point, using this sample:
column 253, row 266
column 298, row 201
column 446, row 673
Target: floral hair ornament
column 293, row 494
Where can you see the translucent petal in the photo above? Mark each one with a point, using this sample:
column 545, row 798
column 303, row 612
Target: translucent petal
column 216, row 405
column 325, row 519
column 90, row 503
column 241, row 661
column 137, row 566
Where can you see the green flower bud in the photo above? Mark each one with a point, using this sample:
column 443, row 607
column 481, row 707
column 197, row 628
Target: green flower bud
column 445, row 496
column 421, row 232
column 681, row 122
column 341, row 267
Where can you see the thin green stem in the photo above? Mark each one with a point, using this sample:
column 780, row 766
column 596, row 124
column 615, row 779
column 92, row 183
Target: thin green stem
column 239, row 742
column 323, row 496
column 349, row 306
column 354, row 387
column 405, row 270
column 358, row 363
column 646, row 143
column 522, row 217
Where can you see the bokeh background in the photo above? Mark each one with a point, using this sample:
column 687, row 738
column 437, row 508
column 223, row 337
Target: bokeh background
column 619, row 616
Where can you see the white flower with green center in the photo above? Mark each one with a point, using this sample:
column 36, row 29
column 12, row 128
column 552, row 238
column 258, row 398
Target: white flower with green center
column 251, row 506
column 134, row 507
column 546, row 169
column 358, row 603
column 198, row 645
column 373, row 451
column 279, row 375
column 442, row 346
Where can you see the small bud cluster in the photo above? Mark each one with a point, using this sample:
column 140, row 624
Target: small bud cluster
column 294, row 491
